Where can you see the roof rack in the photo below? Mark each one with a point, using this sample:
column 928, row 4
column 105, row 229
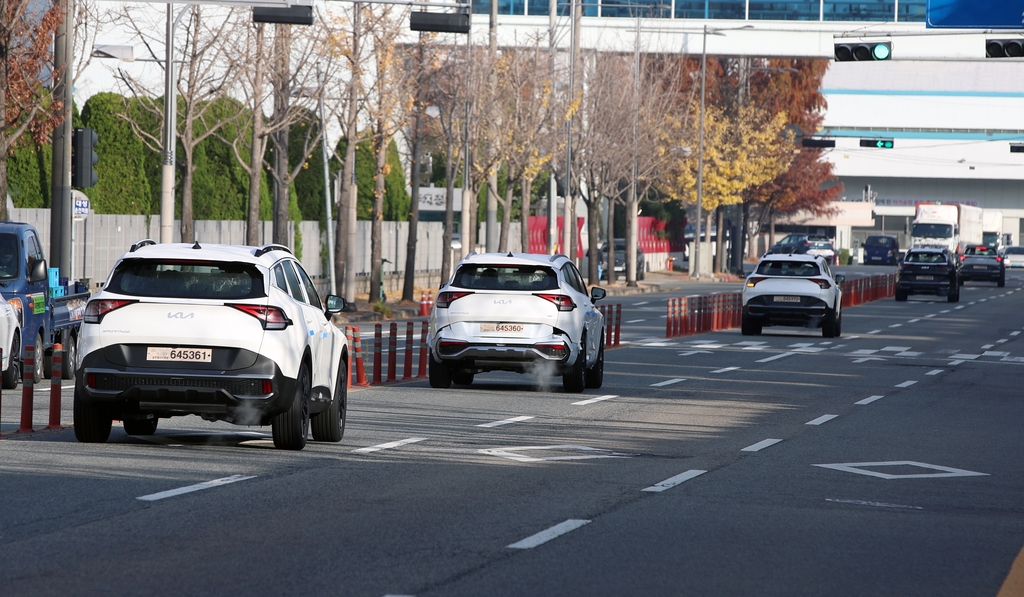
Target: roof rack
column 142, row 243
column 268, row 248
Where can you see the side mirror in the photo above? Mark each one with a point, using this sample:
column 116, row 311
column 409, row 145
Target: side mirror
column 840, row 279
column 597, row 293
column 37, row 271
column 335, row 304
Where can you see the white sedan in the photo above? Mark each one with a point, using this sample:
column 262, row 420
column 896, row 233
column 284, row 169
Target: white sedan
column 10, row 340
column 793, row 290
column 1014, row 256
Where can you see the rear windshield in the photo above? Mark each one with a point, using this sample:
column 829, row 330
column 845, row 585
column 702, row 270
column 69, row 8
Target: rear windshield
column 187, row 279
column 880, row 241
column 925, row 258
column 506, row 277
column 821, row 245
column 980, row 251
column 1013, row 251
column 788, row 268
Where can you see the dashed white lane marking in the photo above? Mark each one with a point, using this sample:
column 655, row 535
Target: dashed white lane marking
column 970, row 303
column 593, row 400
column 667, row 382
column 969, row 357
column 197, row 487
column 875, row 332
column 1014, row 333
column 895, row 348
column 995, row 353
column 635, row 320
column 934, row 372
column 866, row 359
column 775, row 357
column 906, row 384
column 864, row 351
column 930, row 315
column 960, row 307
column 952, row 363
column 379, row 447
column 640, row 303
column 821, row 419
column 987, row 346
column 876, row 504
column 725, row 370
column 673, row 481
column 505, row 421
column 896, row 325
column 869, row 400
column 1002, row 341
column 547, row 535
column 944, row 311
column 761, row 445
column 914, row 321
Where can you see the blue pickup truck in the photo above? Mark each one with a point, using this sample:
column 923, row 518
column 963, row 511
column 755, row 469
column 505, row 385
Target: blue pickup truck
column 48, row 311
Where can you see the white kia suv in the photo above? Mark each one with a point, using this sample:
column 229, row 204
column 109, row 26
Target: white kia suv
column 517, row 312
column 228, row 333
column 795, row 290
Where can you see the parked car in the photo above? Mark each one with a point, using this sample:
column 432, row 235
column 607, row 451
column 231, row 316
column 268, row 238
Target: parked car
column 823, row 249
column 797, row 244
column 929, row 270
column 1013, row 257
column 10, row 337
column 982, row 262
column 516, row 312
column 228, row 333
column 620, row 258
column 793, row 290
column 881, row 249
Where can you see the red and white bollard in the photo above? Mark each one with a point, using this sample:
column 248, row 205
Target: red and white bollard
column 422, row 372
column 360, row 368
column 424, row 305
column 27, row 389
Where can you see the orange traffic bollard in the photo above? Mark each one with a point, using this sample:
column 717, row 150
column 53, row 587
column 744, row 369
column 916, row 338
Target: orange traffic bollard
column 360, row 369
column 27, row 389
column 423, row 351
column 56, row 374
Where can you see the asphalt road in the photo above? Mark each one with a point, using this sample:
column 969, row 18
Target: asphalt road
column 884, row 462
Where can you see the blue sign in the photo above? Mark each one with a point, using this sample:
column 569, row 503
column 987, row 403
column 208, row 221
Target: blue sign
column 82, row 207
column 975, row 14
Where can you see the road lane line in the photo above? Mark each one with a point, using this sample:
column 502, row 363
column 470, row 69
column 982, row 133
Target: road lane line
column 895, row 325
column 1011, row 333
column 951, row 363
column 821, row 419
column 547, row 535
column 875, row 331
column 914, row 321
column 378, row 447
column 906, row 384
column 725, row 370
column 934, row 372
column 778, row 356
column 869, row 399
column 635, row 320
column 593, row 400
column 640, row 303
column 930, row 315
column 667, row 382
column 761, row 445
column 197, row 487
column 673, row 481
column 505, row 421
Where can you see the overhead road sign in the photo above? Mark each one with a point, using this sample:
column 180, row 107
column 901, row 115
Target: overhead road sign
column 974, row 14
column 877, row 143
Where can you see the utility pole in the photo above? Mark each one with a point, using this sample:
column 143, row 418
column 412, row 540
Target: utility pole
column 492, row 176
column 60, row 200
column 553, row 184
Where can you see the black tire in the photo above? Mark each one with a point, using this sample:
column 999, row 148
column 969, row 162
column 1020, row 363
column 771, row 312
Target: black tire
column 750, row 327
column 329, row 426
column 595, row 374
column 574, row 378
column 462, row 377
column 291, row 427
column 828, row 326
column 140, row 426
column 12, row 374
column 440, row 373
column 92, row 422
column 901, row 296
column 70, row 363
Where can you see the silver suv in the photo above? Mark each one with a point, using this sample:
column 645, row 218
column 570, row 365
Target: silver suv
column 229, row 333
column 517, row 312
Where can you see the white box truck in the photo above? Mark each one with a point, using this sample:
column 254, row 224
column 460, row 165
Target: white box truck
column 992, row 229
column 951, row 226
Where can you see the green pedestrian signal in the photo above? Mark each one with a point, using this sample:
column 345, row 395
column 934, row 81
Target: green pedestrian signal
column 876, row 143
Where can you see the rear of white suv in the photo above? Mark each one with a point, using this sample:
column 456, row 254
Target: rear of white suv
column 227, row 333
column 517, row 312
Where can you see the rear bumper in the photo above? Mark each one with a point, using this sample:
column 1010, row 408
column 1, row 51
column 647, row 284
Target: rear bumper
column 769, row 314
column 937, row 287
column 991, row 275
column 519, row 358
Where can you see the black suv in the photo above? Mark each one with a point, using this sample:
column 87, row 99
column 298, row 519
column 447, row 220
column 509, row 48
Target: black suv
column 983, row 263
column 929, row 271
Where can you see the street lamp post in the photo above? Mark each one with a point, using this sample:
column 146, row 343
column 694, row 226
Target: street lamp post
column 700, row 150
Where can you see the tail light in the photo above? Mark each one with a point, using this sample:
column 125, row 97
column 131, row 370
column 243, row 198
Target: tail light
column 444, row 299
column 999, row 259
column 561, row 301
column 822, row 283
column 557, row 351
column 450, row 347
column 962, row 257
column 752, row 281
column 97, row 309
column 271, row 318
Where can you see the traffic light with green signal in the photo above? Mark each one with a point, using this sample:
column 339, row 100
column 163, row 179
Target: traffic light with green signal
column 876, row 50
column 877, row 143
column 84, row 158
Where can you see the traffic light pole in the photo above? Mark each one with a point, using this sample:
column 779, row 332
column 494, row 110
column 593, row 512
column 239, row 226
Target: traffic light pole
column 60, row 198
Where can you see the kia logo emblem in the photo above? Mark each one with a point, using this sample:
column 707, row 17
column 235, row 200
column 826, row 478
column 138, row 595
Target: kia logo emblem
column 502, row 301
column 181, row 315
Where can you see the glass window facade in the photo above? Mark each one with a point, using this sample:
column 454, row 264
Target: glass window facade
column 758, row 10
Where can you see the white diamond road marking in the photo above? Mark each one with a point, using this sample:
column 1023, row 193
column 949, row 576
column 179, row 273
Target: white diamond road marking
column 549, row 534
column 943, row 471
column 821, row 419
column 593, row 400
column 906, row 384
column 761, row 445
column 776, row 357
column 197, row 487
column 505, row 421
column 869, row 399
column 667, row 382
column 377, row 448
column 673, row 481
column 1012, row 360
column 579, row 453
column 725, row 370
